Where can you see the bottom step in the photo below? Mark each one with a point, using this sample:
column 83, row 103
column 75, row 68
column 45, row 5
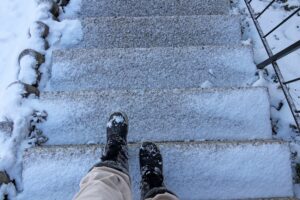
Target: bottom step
column 203, row 170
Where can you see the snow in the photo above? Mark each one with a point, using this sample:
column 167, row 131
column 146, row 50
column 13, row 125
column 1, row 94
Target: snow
column 267, row 165
column 14, row 22
column 13, row 38
column 281, row 38
column 65, row 33
column 284, row 36
column 159, row 67
column 215, row 170
column 282, row 121
column 215, row 109
column 118, row 119
column 20, row 31
column 71, row 10
column 28, row 73
column 207, row 84
column 9, row 189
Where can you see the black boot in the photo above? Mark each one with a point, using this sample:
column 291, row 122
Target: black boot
column 115, row 154
column 151, row 167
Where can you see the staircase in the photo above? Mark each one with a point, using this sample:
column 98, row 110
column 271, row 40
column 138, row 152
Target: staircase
column 178, row 69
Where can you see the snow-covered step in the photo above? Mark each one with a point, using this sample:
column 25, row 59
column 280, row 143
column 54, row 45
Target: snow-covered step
column 158, row 115
column 195, row 171
column 140, row 68
column 160, row 31
column 105, row 8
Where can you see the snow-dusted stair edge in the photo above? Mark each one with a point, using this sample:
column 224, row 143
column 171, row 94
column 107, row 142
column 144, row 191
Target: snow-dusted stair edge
column 158, row 115
column 159, row 31
column 197, row 170
column 104, row 8
column 159, row 67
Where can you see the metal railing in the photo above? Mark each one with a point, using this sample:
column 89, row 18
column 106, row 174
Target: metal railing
column 273, row 58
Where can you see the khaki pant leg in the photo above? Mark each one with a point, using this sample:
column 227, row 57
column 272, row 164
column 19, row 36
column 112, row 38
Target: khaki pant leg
column 165, row 196
column 104, row 183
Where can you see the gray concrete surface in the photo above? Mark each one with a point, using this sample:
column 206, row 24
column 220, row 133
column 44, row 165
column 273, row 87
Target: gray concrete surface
column 171, row 31
column 194, row 171
column 80, row 117
column 106, row 8
column 224, row 66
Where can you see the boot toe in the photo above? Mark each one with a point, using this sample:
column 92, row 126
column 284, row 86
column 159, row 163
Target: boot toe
column 117, row 118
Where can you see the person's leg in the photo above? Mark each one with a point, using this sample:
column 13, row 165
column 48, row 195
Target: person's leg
column 151, row 167
column 103, row 183
column 109, row 179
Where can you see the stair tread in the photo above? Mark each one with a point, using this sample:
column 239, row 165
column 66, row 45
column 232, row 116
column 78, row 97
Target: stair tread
column 161, row 67
column 203, row 170
column 158, row 115
column 160, row 31
column 96, row 8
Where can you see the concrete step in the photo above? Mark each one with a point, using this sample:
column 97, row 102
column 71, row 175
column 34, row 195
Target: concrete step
column 141, row 68
column 157, row 115
column 194, row 171
column 106, row 8
column 170, row 31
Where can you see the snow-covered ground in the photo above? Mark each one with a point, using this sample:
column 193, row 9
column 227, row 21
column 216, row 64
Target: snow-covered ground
column 283, row 122
column 284, row 126
column 20, row 31
column 14, row 20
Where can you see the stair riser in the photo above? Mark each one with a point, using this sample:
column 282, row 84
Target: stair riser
column 137, row 8
column 167, row 115
column 151, row 68
column 192, row 171
column 160, row 31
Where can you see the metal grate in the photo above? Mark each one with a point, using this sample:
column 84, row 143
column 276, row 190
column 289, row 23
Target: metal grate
column 273, row 58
